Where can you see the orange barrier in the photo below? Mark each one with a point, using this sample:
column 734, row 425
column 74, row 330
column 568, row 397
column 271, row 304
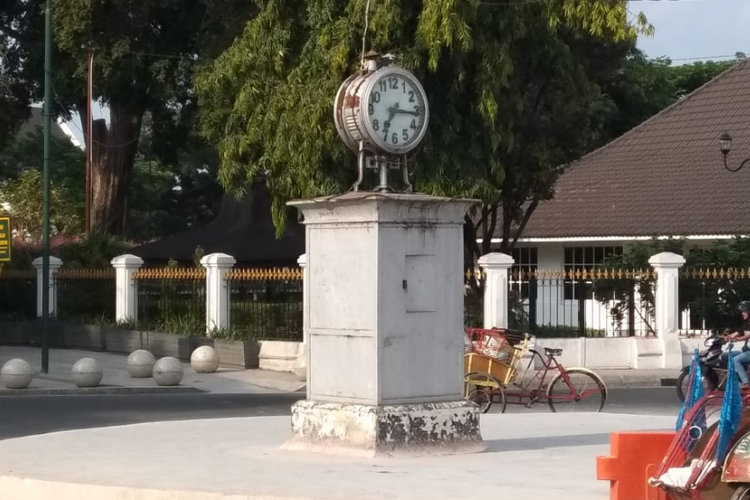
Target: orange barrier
column 633, row 456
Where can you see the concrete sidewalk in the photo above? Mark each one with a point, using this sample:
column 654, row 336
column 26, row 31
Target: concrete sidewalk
column 543, row 455
column 117, row 381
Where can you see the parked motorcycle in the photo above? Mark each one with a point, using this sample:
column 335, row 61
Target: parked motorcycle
column 713, row 369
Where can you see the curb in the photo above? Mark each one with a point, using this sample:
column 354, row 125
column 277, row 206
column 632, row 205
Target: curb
column 101, row 391
column 626, row 382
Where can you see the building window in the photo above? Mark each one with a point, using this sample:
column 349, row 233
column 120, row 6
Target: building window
column 584, row 259
column 525, row 263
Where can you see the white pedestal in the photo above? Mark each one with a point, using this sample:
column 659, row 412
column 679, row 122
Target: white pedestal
column 384, row 285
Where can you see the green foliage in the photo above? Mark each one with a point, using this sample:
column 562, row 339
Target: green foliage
column 712, row 299
column 24, row 197
column 144, row 61
column 563, row 331
column 14, row 89
column 96, row 251
column 266, row 101
column 26, row 152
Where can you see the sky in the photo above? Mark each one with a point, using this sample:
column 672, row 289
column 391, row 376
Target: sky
column 689, row 30
column 685, row 31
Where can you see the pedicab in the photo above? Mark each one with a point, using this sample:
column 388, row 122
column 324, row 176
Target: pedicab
column 709, row 458
column 491, row 359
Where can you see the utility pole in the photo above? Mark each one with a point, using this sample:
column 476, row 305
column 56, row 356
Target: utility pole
column 89, row 135
column 47, row 154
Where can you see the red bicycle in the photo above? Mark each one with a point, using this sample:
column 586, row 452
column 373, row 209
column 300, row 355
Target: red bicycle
column 492, row 380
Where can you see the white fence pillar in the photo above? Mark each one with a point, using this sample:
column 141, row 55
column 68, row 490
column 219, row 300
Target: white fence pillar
column 126, row 299
column 300, row 367
column 54, row 265
column 667, row 310
column 217, row 290
column 496, row 266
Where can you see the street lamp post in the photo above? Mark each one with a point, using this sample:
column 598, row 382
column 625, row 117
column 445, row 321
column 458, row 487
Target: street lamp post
column 725, row 146
column 47, row 154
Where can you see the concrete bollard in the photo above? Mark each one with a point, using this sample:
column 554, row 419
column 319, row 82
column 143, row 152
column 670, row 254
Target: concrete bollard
column 168, row 371
column 16, row 374
column 205, row 359
column 141, row 363
column 87, row 372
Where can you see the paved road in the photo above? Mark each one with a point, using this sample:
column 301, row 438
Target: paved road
column 27, row 415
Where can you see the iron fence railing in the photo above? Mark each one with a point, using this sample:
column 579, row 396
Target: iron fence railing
column 266, row 303
column 709, row 299
column 86, row 295
column 172, row 300
column 582, row 303
column 17, row 295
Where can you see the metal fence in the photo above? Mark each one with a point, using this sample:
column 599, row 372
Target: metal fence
column 582, row 303
column 17, row 295
column 709, row 299
column 85, row 295
column 266, row 303
column 172, row 300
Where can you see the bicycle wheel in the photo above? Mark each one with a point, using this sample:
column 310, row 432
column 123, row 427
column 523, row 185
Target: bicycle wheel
column 591, row 392
column 684, row 380
column 742, row 493
column 486, row 391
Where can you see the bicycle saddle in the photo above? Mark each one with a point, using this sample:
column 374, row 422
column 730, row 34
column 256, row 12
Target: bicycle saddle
column 553, row 352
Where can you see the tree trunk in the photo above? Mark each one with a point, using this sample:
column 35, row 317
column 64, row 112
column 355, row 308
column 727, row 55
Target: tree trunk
column 114, row 154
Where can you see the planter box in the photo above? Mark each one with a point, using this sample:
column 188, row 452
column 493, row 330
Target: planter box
column 167, row 344
column 87, row 337
column 123, row 341
column 279, row 356
column 237, row 353
column 159, row 344
column 34, row 334
column 14, row 333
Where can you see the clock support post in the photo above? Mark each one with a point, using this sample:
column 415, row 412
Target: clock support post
column 381, row 163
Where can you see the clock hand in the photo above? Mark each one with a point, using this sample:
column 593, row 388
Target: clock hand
column 406, row 112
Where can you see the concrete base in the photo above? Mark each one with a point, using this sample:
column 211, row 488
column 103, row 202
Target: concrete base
column 362, row 430
column 531, row 455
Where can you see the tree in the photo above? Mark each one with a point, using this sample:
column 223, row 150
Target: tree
column 174, row 182
column 14, row 91
column 144, row 55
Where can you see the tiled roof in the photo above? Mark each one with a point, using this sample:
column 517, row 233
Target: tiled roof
column 665, row 177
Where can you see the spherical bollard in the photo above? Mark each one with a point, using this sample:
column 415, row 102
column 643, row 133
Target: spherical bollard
column 87, row 372
column 168, row 371
column 16, row 374
column 141, row 364
column 205, row 359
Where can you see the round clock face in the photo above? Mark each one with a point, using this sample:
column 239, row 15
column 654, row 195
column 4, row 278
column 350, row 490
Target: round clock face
column 396, row 116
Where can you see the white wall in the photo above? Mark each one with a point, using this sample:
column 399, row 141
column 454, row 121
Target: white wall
column 615, row 353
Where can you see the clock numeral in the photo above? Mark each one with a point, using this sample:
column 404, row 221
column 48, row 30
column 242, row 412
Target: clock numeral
column 416, row 110
column 383, row 85
column 411, row 96
column 403, row 87
column 405, row 134
column 385, row 134
column 370, row 109
column 375, row 125
column 394, row 82
column 413, row 125
column 394, row 138
column 376, row 97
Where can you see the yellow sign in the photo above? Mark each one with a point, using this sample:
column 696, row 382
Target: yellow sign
column 5, row 239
